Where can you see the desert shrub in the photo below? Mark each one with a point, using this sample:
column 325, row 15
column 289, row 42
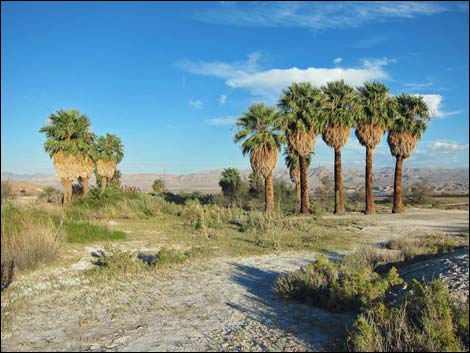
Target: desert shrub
column 29, row 237
column 87, row 232
column 158, row 185
column 118, row 262
column 51, row 195
column 336, row 286
column 6, row 190
column 431, row 244
column 168, row 256
column 424, row 322
column 421, row 193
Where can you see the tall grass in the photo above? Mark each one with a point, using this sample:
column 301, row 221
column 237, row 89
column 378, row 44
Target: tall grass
column 29, row 236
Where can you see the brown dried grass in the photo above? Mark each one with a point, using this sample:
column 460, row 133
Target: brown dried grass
column 336, row 136
column 369, row 135
column 263, row 160
column 402, row 143
column 67, row 167
column 302, row 142
column 105, row 169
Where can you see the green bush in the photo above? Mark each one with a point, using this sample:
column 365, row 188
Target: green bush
column 87, row 232
column 424, row 322
column 336, row 286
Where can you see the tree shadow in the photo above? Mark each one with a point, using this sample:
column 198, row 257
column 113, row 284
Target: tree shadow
column 316, row 328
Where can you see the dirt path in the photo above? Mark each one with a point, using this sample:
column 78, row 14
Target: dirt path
column 222, row 304
column 226, row 304
column 415, row 221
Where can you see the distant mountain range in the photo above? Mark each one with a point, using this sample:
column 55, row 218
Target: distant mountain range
column 441, row 180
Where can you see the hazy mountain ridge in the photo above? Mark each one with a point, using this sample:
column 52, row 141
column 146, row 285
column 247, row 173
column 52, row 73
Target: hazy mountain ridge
column 441, row 180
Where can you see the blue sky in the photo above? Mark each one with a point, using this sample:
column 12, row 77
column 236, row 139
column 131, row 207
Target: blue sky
column 170, row 78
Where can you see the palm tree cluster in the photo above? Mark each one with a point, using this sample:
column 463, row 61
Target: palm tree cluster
column 76, row 151
column 305, row 111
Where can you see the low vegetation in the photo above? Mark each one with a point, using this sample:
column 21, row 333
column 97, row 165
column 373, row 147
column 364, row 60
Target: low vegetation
column 427, row 321
column 30, row 236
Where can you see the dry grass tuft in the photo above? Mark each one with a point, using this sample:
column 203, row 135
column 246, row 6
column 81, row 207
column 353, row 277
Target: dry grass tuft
column 29, row 237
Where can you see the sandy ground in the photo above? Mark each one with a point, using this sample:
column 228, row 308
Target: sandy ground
column 222, row 304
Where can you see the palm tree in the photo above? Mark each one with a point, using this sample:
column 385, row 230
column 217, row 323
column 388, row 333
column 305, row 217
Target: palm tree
column 262, row 141
column 108, row 153
column 403, row 135
column 293, row 164
column 67, row 143
column 339, row 107
column 378, row 108
column 300, row 118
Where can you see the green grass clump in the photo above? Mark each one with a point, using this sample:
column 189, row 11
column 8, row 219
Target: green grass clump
column 425, row 322
column 87, row 233
column 336, row 286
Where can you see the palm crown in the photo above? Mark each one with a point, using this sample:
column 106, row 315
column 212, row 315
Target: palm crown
column 412, row 114
column 256, row 129
column 300, row 105
column 70, row 132
column 340, row 104
column 378, row 105
column 109, row 148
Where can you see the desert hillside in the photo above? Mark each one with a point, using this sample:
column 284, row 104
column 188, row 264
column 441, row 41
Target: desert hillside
column 441, row 180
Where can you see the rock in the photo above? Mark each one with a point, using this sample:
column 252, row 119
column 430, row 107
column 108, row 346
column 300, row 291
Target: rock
column 82, row 265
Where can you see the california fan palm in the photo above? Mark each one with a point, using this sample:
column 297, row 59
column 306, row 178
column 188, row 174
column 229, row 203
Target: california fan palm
column 403, row 135
column 293, row 164
column 378, row 108
column 340, row 107
column 300, row 118
column 108, row 153
column 262, row 142
column 67, row 144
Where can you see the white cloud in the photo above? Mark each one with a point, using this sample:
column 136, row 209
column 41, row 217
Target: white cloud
column 319, row 15
column 434, row 102
column 227, row 120
column 447, row 147
column 337, row 60
column 223, row 99
column 269, row 83
column 196, row 103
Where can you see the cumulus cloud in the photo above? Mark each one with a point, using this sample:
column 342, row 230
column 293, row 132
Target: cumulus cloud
column 223, row 99
column 319, row 15
column 227, row 120
column 268, row 83
column 337, row 61
column 434, row 102
column 196, row 103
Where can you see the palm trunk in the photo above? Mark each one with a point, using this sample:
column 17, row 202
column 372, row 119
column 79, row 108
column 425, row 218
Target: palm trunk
column 86, row 187
column 67, row 192
column 297, row 190
column 304, row 199
column 339, row 201
column 370, row 207
column 103, row 183
column 397, row 193
column 269, row 193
